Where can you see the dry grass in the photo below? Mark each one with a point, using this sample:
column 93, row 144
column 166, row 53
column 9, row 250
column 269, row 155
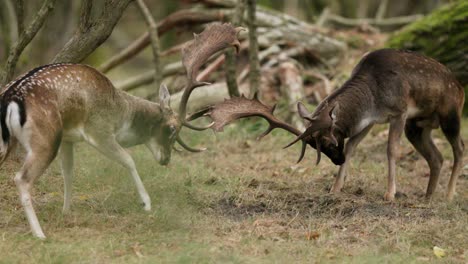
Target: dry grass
column 241, row 201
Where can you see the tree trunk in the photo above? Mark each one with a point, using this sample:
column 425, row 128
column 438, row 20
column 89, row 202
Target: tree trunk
column 92, row 32
column 231, row 71
column 254, row 74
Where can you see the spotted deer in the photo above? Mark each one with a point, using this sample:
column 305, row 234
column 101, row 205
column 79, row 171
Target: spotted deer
column 413, row 93
column 52, row 107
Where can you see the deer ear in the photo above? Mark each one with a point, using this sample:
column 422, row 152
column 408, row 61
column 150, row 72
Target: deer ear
column 164, row 96
column 303, row 112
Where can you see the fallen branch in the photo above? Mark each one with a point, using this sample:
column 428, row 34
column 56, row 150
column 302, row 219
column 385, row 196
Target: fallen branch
column 394, row 21
column 273, row 27
column 292, row 88
column 202, row 96
column 148, row 77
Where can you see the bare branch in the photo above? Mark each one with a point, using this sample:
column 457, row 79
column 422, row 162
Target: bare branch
column 382, row 10
column 254, row 75
column 203, row 76
column 82, row 44
column 133, row 49
column 154, row 44
column 179, row 18
column 148, row 77
column 25, row 38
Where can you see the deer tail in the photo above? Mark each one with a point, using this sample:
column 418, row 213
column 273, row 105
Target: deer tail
column 11, row 122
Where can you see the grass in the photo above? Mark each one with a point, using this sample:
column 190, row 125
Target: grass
column 239, row 202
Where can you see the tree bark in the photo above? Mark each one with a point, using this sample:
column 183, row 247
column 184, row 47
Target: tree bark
column 254, row 75
column 231, row 71
column 83, row 43
column 153, row 31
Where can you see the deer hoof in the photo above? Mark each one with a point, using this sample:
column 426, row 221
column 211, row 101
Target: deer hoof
column 389, row 197
column 147, row 207
column 450, row 196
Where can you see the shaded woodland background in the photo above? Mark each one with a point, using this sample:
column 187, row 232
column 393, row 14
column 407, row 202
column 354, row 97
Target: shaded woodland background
column 241, row 201
column 315, row 40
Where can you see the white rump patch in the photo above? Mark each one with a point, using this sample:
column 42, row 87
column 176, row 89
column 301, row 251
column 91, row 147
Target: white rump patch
column 13, row 122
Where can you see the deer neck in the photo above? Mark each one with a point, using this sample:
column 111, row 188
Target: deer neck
column 139, row 121
column 355, row 107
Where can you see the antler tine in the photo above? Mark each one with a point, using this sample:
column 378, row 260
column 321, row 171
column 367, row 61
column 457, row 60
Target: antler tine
column 185, row 146
column 194, row 116
column 240, row 107
column 198, row 114
column 214, row 38
column 317, row 146
column 186, row 124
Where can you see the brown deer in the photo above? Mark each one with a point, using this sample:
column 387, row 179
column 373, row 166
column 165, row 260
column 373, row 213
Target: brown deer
column 413, row 93
column 52, row 107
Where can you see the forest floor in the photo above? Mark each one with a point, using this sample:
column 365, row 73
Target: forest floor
column 241, row 201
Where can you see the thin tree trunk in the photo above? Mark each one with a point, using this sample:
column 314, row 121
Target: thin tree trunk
column 25, row 38
column 230, row 54
column 9, row 27
column 153, row 31
column 254, row 75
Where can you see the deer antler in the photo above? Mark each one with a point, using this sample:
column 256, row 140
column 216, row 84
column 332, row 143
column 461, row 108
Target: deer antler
column 240, row 107
column 214, row 38
column 318, row 126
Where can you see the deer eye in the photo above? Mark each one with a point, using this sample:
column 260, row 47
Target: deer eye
column 173, row 130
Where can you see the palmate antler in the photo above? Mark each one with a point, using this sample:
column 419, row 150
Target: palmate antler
column 214, row 38
column 239, row 107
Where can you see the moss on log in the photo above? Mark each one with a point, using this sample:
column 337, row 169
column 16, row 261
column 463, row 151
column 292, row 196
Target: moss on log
column 442, row 35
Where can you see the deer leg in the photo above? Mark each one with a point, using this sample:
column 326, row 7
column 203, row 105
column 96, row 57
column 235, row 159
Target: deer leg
column 421, row 139
column 36, row 162
column 66, row 158
column 11, row 147
column 451, row 127
column 108, row 146
column 348, row 150
column 397, row 125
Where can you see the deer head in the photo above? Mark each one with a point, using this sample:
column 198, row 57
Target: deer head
column 213, row 39
column 320, row 132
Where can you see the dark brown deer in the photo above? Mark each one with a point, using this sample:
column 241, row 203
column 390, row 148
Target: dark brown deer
column 55, row 106
column 413, row 93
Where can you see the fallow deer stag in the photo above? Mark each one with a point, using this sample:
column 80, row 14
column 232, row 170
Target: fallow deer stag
column 413, row 93
column 54, row 106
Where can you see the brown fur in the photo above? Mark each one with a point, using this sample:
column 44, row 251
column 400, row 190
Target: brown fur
column 413, row 93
